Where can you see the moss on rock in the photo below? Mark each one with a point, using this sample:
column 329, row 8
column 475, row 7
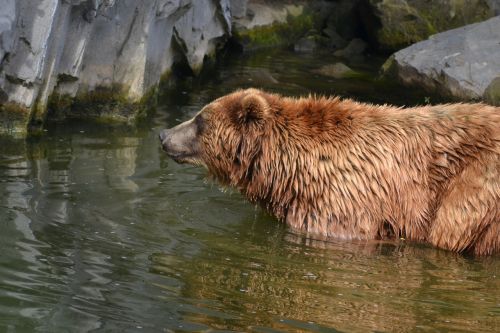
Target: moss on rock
column 276, row 34
column 492, row 93
column 104, row 103
column 14, row 119
column 108, row 104
column 397, row 23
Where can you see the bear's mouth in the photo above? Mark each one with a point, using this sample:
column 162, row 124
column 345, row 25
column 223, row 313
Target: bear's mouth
column 185, row 158
column 180, row 158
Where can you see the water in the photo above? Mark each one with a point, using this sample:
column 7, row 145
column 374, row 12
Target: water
column 100, row 231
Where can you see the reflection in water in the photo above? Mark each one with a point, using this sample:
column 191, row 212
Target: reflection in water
column 380, row 287
column 101, row 231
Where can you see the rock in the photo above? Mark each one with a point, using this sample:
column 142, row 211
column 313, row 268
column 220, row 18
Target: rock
column 495, row 6
column 120, row 48
column 355, row 47
column 463, row 63
column 262, row 14
column 337, row 71
column 492, row 93
column 279, row 23
column 335, row 41
column 238, row 8
column 394, row 24
column 344, row 18
column 10, row 118
column 252, row 77
column 7, row 20
column 305, row 44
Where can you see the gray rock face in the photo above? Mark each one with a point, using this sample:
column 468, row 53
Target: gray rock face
column 259, row 13
column 495, row 5
column 73, row 46
column 463, row 63
column 7, row 20
column 238, row 8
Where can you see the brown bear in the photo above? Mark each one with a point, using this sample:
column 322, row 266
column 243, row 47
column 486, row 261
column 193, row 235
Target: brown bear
column 343, row 169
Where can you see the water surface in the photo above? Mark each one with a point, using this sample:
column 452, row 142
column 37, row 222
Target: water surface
column 100, row 231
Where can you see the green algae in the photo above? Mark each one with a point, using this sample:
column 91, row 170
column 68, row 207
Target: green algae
column 405, row 23
column 104, row 104
column 14, row 119
column 492, row 93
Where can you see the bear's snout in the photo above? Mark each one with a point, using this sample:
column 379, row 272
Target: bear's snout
column 163, row 135
column 166, row 140
column 181, row 142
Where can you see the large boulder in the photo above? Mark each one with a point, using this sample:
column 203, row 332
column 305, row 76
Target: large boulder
column 394, row 24
column 462, row 63
column 56, row 52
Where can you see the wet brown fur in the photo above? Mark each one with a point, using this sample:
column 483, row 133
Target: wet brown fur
column 351, row 170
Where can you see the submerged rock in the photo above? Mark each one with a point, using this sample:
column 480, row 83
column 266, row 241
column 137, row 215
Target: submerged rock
column 72, row 48
column 337, row 71
column 355, row 47
column 305, row 44
column 463, row 63
column 252, row 77
column 394, row 24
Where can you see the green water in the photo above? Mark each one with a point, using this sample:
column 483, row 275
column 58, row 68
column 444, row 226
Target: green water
column 100, row 231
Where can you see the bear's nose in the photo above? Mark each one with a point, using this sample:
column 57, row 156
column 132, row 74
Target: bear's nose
column 163, row 135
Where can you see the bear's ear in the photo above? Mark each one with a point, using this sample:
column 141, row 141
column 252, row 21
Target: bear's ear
column 254, row 108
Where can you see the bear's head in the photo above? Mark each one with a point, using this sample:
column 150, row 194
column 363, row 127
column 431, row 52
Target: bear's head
column 225, row 136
